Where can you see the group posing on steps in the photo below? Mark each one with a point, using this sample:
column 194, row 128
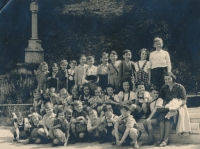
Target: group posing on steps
column 104, row 103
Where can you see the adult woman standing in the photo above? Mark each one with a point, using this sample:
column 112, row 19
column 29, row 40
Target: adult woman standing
column 170, row 91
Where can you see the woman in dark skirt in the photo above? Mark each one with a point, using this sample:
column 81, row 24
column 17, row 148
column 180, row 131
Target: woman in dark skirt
column 169, row 91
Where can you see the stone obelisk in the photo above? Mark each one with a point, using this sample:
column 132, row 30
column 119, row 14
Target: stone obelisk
column 34, row 52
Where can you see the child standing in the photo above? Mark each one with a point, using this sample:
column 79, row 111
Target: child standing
column 71, row 74
column 126, row 126
column 152, row 120
column 63, row 75
column 113, row 70
column 102, row 71
column 53, row 77
column 160, row 63
column 78, row 122
column 90, row 75
column 80, row 71
column 42, row 75
column 126, row 67
column 142, row 68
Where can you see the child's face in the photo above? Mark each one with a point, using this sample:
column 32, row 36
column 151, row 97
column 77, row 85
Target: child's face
column 72, row 65
column 44, row 68
column 90, row 62
column 126, row 86
column 61, row 116
column 36, row 95
column 82, row 60
column 143, row 55
column 110, row 91
column 68, row 115
column 74, row 92
column 124, row 112
column 49, row 110
column 78, row 108
column 63, row 66
column 93, row 116
column 141, row 88
column 133, row 79
column 127, row 56
column 104, row 59
column 154, row 94
column 158, row 45
column 55, row 69
column 113, row 57
column 86, row 90
column 63, row 95
column 52, row 90
column 35, row 120
column 108, row 114
column 46, row 94
column 97, row 92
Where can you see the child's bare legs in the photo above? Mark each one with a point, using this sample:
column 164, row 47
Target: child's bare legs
column 133, row 133
column 73, row 129
column 148, row 126
column 81, row 135
column 145, row 109
column 42, row 133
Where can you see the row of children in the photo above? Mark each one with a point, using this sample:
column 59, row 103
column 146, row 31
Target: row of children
column 148, row 71
column 82, row 117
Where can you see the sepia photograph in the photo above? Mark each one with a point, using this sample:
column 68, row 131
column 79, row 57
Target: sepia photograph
column 100, row 74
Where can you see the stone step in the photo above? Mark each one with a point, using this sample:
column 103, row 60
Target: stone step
column 174, row 138
column 194, row 129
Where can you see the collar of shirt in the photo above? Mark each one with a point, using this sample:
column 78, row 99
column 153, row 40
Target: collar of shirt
column 86, row 97
column 158, row 51
column 104, row 64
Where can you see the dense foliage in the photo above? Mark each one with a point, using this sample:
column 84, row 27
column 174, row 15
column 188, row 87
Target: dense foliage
column 68, row 28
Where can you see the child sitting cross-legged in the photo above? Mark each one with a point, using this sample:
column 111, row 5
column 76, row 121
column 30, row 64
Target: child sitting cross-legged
column 107, row 124
column 152, row 120
column 34, row 126
column 93, row 125
column 78, row 122
column 60, row 131
column 125, row 128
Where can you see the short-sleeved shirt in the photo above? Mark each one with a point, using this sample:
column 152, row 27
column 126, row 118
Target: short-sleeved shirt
column 109, row 123
column 129, row 121
column 64, row 125
column 91, row 71
column 140, row 98
column 113, row 97
column 92, row 123
column 155, row 103
column 77, row 114
column 102, row 69
column 178, row 91
column 48, row 121
column 141, row 63
column 124, row 96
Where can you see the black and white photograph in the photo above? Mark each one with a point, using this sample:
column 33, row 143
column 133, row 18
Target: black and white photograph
column 100, row 74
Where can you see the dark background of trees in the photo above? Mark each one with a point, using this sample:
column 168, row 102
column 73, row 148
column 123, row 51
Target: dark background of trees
column 91, row 28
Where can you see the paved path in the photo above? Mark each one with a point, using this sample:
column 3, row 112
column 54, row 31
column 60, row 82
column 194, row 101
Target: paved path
column 7, row 143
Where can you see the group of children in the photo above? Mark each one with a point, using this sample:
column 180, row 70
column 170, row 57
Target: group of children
column 93, row 103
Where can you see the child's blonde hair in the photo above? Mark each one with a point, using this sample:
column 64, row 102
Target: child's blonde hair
column 39, row 70
column 64, row 61
column 158, row 39
column 63, row 91
column 92, row 112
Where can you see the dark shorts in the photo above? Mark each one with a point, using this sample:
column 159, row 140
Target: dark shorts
column 157, row 76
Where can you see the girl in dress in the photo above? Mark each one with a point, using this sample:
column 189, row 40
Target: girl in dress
column 142, row 67
column 53, row 76
column 42, row 75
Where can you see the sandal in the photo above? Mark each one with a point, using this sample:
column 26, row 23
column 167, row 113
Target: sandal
column 164, row 143
column 158, row 143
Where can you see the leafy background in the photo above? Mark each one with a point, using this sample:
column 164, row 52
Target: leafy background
column 68, row 28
